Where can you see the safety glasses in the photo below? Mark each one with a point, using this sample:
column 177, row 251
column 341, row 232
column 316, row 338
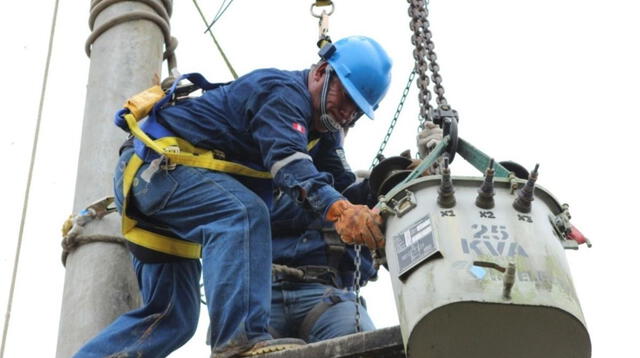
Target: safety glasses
column 357, row 113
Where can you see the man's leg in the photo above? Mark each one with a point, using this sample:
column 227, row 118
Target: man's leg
column 315, row 312
column 232, row 225
column 279, row 319
column 170, row 292
column 340, row 320
column 330, row 314
column 236, row 256
column 166, row 320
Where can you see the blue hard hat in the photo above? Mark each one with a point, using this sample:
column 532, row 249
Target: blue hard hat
column 363, row 67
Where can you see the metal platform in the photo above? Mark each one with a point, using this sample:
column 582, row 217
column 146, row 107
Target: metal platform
column 381, row 343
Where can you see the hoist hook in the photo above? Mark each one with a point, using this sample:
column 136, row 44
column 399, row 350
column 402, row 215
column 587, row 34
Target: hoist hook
column 447, row 119
column 450, row 128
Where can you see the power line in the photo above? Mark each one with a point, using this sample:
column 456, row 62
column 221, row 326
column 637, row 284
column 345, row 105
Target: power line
column 219, row 14
column 224, row 56
column 29, row 177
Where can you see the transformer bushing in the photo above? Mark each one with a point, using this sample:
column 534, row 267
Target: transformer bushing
column 484, row 200
column 525, row 195
column 446, row 199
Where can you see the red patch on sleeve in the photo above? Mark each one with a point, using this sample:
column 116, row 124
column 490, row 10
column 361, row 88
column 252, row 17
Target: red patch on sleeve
column 300, row 128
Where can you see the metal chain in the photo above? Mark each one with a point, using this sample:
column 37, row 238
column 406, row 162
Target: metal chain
column 358, row 248
column 424, row 51
column 426, row 59
column 356, row 279
column 392, row 125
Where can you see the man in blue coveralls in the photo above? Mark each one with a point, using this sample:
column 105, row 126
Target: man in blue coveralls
column 316, row 300
column 313, row 294
column 267, row 120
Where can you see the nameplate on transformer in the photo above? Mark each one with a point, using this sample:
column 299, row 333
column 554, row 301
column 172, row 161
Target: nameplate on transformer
column 415, row 245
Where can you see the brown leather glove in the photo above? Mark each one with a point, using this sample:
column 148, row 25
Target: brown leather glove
column 357, row 224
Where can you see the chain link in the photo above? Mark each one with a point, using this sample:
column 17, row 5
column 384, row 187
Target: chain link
column 426, row 60
column 356, row 279
column 392, row 125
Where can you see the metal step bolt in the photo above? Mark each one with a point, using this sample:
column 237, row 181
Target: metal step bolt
column 509, row 280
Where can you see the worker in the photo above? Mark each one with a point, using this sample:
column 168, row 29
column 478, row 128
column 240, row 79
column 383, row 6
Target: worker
column 267, row 121
column 321, row 303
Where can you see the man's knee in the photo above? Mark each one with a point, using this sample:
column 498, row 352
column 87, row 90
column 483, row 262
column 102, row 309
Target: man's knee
column 186, row 324
column 340, row 320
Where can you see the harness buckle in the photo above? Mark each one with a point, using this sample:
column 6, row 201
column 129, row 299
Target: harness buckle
column 181, row 92
column 166, row 163
column 218, row 154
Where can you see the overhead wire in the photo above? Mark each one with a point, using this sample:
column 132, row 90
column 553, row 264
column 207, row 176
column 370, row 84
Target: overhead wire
column 224, row 56
column 25, row 203
column 219, row 14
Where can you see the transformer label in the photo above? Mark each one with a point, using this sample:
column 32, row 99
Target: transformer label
column 415, row 245
column 491, row 240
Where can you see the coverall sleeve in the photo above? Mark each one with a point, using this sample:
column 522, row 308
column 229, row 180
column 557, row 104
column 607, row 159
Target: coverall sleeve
column 331, row 159
column 278, row 125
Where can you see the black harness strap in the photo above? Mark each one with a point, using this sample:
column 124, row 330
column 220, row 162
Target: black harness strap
column 335, row 247
column 314, row 314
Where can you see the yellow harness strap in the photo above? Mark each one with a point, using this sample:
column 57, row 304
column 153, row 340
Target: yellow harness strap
column 177, row 151
column 190, row 155
column 145, row 238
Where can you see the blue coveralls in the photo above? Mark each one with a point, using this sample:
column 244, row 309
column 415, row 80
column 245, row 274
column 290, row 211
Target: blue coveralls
column 298, row 241
column 262, row 120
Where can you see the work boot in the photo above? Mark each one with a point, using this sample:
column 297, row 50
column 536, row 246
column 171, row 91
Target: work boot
column 262, row 347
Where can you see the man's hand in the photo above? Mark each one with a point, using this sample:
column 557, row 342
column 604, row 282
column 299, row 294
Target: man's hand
column 357, row 224
column 415, row 163
column 428, row 138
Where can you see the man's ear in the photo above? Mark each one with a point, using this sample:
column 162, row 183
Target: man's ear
column 318, row 71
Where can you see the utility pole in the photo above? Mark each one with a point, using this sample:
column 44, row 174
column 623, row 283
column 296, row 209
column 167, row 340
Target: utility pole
column 125, row 59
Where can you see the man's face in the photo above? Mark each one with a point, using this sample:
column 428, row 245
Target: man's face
column 341, row 110
column 340, row 106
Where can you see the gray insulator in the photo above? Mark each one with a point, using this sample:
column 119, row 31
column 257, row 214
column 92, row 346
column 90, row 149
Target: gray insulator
column 446, row 199
column 525, row 195
column 484, row 200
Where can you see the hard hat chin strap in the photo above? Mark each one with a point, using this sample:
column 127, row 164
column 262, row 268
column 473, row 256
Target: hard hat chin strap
column 328, row 122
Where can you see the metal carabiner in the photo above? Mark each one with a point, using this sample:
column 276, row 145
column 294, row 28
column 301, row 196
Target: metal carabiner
column 321, row 3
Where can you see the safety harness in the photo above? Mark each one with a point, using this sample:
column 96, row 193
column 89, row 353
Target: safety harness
column 152, row 142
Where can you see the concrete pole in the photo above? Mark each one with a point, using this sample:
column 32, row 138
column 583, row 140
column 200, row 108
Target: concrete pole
column 99, row 281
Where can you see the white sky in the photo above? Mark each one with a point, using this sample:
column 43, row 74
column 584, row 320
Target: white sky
column 549, row 81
